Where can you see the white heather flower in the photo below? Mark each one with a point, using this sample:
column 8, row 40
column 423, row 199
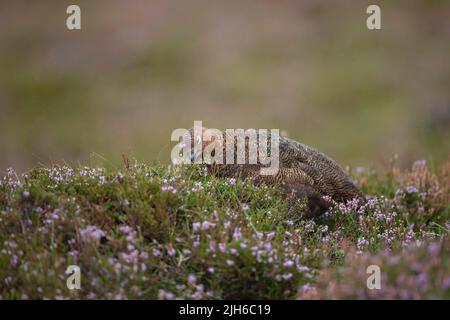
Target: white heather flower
column 230, row 262
column 196, row 226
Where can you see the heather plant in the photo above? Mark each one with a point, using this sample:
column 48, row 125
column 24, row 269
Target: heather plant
column 419, row 271
column 154, row 232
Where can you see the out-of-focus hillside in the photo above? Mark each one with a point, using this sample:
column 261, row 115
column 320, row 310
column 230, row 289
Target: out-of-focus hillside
column 137, row 70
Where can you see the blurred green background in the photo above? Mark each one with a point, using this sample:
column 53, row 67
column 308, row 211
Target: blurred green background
column 139, row 69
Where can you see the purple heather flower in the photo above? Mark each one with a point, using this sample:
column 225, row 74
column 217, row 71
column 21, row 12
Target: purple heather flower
column 237, row 234
column 270, row 235
column 192, row 279
column 434, row 248
column 156, row 252
column 171, row 251
column 288, row 263
column 411, row 189
column 287, row 276
column 206, row 225
column 91, row 233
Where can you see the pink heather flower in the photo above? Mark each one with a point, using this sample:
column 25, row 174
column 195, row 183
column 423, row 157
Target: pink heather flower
column 232, row 181
column 211, row 270
column 222, row 247
column 230, row 262
column 233, row 251
column 434, row 248
column 446, row 282
column 25, row 194
column 212, row 246
column 325, row 229
column 245, row 207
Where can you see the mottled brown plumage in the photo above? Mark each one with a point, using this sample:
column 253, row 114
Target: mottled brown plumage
column 304, row 173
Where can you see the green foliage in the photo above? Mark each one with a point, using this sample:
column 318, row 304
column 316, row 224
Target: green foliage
column 151, row 232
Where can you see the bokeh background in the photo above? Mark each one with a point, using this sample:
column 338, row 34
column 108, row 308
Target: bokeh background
column 139, row 69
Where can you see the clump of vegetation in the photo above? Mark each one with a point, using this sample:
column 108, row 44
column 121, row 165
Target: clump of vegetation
column 150, row 232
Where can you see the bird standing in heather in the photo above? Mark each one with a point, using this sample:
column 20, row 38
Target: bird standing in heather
column 304, row 175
